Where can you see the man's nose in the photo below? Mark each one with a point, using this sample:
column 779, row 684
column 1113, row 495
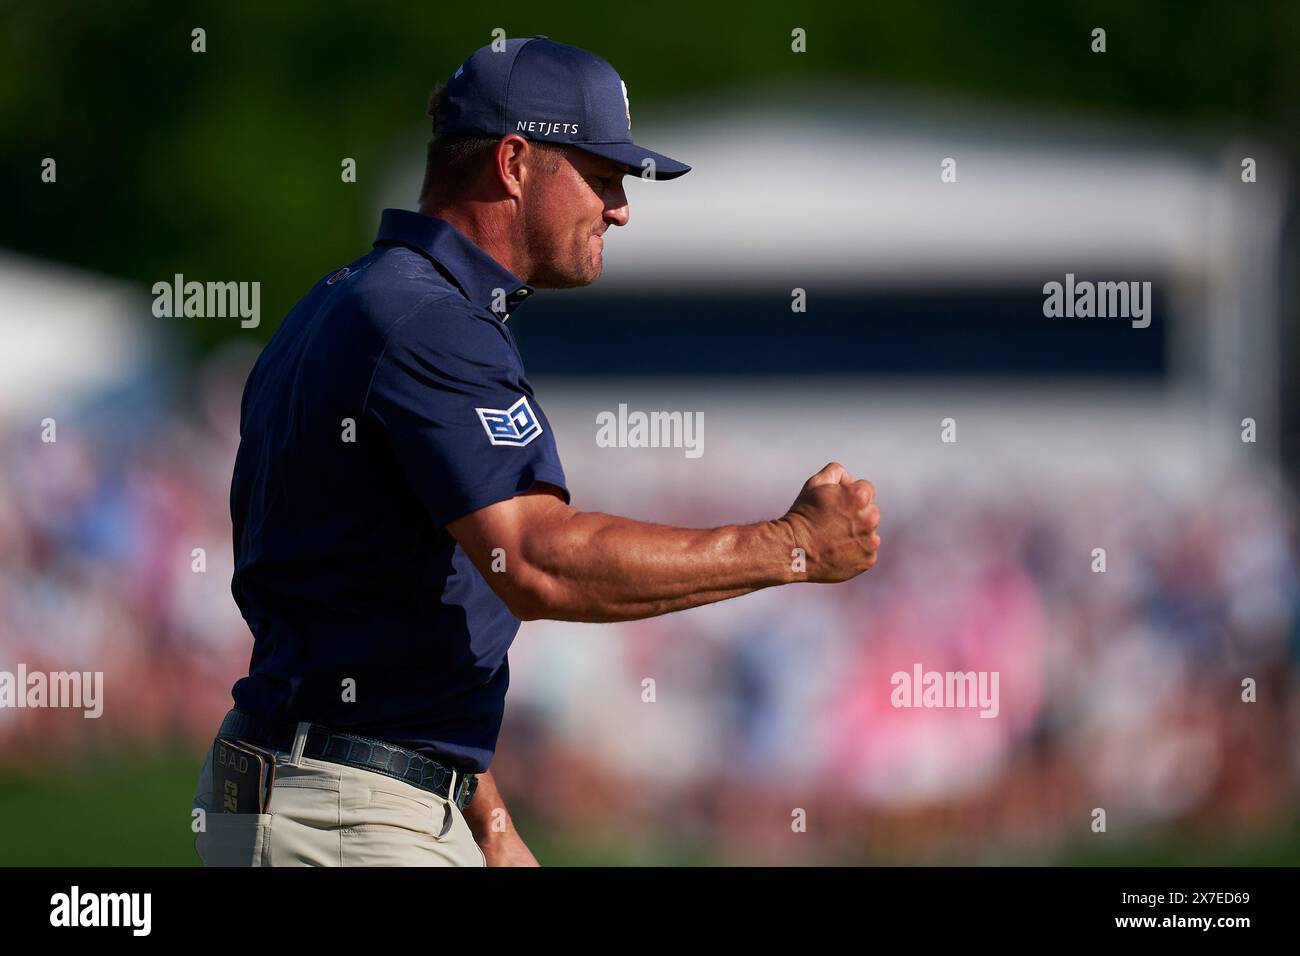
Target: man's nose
column 620, row 214
column 617, row 211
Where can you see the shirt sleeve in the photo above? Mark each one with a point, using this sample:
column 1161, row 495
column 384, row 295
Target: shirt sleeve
column 450, row 396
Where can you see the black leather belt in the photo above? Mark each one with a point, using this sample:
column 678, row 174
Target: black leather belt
column 350, row 750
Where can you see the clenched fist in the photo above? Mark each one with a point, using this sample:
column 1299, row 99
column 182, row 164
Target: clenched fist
column 834, row 521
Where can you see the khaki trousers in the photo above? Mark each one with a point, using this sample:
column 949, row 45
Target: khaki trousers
column 326, row 814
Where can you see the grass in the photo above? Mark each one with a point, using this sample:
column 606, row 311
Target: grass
column 133, row 809
column 107, row 809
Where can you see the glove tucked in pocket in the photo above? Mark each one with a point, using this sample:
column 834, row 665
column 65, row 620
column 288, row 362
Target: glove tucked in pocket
column 242, row 777
column 237, row 824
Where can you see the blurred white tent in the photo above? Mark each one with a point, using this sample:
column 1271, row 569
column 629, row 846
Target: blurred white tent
column 64, row 333
column 847, row 194
column 851, row 195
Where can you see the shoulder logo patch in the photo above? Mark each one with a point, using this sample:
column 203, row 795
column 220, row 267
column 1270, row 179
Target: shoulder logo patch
column 516, row 425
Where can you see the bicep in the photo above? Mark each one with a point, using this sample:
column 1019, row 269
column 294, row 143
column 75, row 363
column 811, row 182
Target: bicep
column 508, row 525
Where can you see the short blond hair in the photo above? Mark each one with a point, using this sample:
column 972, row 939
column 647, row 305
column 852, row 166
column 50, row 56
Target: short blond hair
column 454, row 160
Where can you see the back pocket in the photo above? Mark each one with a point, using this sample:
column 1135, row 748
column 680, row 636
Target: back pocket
column 236, row 839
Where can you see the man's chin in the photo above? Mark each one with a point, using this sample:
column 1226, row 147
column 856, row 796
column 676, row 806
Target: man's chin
column 570, row 281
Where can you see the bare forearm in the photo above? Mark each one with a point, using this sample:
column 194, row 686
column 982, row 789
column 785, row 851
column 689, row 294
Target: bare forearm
column 599, row 567
column 545, row 559
column 486, row 814
column 493, row 830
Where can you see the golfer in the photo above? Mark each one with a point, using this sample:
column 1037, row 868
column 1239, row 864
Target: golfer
column 399, row 505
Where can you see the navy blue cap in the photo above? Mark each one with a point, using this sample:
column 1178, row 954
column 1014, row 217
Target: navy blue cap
column 553, row 93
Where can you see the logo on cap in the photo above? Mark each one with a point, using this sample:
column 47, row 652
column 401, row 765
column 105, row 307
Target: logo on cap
column 627, row 107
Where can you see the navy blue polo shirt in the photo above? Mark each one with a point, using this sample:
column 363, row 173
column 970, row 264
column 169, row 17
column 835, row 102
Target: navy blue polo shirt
column 390, row 401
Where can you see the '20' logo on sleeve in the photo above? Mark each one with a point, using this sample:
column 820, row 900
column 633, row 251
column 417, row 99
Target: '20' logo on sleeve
column 516, row 425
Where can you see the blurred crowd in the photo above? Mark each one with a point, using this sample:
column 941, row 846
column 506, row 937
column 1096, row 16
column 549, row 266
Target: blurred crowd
column 1120, row 690
column 761, row 728
column 116, row 556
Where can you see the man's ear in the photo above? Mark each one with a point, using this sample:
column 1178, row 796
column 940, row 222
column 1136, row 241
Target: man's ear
column 511, row 170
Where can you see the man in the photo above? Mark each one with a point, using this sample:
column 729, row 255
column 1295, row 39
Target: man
column 399, row 505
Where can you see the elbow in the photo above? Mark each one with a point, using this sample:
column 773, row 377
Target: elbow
column 527, row 609
column 531, row 597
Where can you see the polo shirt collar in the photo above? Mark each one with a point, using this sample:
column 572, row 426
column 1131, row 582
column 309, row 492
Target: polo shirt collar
column 476, row 273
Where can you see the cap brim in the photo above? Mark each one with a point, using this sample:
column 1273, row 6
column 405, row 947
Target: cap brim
column 633, row 157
